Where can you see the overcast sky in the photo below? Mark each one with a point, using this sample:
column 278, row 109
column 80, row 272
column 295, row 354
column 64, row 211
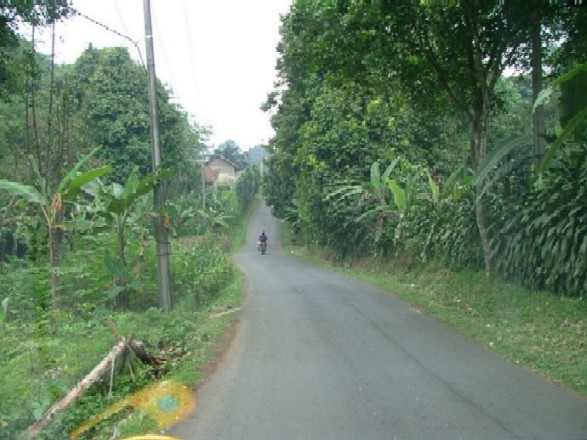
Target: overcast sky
column 218, row 56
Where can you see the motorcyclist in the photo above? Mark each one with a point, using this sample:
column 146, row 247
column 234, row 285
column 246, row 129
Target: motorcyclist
column 263, row 241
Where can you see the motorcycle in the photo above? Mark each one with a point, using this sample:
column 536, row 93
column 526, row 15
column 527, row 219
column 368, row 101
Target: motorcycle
column 262, row 247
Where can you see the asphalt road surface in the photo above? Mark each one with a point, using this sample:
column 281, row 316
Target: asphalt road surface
column 318, row 355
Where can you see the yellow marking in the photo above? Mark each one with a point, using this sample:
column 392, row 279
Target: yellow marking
column 150, row 437
column 165, row 402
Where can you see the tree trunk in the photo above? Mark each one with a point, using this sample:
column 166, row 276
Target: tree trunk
column 481, row 105
column 479, row 151
column 94, row 376
column 55, row 249
column 482, row 226
column 539, row 125
column 123, row 299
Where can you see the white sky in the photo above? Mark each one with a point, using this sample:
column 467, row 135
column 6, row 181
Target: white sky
column 217, row 56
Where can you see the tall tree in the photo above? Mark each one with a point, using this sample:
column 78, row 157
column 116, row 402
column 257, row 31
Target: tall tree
column 111, row 95
column 460, row 51
column 463, row 50
column 12, row 13
column 230, row 150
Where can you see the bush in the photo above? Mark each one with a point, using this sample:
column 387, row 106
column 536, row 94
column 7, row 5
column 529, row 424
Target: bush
column 247, row 186
column 543, row 244
column 201, row 268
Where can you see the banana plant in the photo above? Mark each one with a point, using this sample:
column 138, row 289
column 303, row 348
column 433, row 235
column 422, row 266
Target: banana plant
column 122, row 206
column 573, row 123
column 52, row 205
column 214, row 220
column 403, row 196
column 373, row 194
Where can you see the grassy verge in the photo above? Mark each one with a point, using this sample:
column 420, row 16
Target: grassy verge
column 44, row 365
column 537, row 330
column 40, row 361
column 202, row 336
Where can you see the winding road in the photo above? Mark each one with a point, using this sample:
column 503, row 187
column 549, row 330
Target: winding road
column 319, row 355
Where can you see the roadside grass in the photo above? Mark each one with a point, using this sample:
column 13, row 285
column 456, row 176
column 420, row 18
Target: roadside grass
column 539, row 331
column 40, row 367
column 40, row 361
column 198, row 335
column 201, row 335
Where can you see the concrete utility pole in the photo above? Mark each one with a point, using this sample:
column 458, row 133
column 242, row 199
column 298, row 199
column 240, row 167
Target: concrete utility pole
column 203, row 184
column 162, row 242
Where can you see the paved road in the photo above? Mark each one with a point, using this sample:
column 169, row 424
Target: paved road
column 321, row 356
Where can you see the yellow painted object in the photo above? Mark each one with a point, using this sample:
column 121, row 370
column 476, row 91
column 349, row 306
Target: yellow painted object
column 150, row 437
column 165, row 402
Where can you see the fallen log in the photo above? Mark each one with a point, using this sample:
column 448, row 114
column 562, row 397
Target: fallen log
column 138, row 348
column 157, row 362
column 94, row 376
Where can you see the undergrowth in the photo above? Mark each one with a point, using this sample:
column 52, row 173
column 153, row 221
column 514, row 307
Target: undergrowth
column 40, row 360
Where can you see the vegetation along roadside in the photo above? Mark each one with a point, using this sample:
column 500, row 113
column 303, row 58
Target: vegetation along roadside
column 80, row 297
column 45, row 353
column 444, row 163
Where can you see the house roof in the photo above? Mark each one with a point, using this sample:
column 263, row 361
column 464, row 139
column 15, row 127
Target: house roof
column 220, row 157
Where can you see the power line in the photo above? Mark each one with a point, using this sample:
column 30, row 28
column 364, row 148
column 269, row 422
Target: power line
column 114, row 31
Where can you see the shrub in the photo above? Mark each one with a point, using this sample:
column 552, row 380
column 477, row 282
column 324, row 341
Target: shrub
column 543, row 243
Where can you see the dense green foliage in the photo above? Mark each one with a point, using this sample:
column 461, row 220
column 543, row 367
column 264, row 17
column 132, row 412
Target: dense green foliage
column 231, row 151
column 247, row 186
column 544, row 242
column 398, row 135
column 76, row 233
column 97, row 277
column 97, row 82
column 40, row 362
column 12, row 15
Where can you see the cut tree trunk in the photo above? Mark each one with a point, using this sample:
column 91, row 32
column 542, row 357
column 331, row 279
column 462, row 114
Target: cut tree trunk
column 94, row 376
column 145, row 357
column 55, row 251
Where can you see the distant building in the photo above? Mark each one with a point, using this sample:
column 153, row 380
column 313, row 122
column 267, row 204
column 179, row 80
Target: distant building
column 257, row 156
column 220, row 171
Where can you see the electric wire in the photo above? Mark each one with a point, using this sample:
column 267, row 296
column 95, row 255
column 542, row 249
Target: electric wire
column 114, row 31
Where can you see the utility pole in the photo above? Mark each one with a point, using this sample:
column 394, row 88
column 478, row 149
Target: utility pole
column 161, row 240
column 203, row 185
column 204, row 179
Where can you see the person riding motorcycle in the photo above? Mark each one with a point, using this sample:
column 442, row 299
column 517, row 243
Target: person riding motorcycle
column 263, row 242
